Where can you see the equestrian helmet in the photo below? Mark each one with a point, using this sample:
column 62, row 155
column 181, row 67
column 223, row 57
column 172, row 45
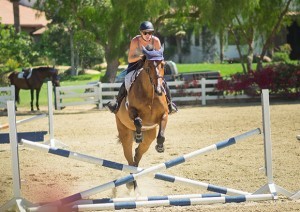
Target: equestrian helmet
column 146, row 25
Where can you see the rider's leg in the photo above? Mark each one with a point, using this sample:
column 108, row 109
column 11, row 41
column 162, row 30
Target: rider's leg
column 171, row 105
column 115, row 105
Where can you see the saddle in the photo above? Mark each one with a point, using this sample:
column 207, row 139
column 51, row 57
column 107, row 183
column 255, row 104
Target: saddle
column 25, row 74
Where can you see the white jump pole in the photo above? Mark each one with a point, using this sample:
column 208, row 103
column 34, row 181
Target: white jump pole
column 50, row 110
column 17, row 201
column 52, row 142
column 270, row 186
column 6, row 126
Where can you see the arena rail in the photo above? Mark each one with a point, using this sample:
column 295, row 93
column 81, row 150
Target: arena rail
column 99, row 94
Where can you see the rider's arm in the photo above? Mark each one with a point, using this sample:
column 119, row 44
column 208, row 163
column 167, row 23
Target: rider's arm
column 132, row 54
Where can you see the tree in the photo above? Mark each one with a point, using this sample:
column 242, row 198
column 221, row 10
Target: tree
column 16, row 48
column 16, row 15
column 247, row 20
column 112, row 23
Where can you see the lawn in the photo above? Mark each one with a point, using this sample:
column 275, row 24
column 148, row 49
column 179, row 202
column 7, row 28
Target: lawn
column 225, row 69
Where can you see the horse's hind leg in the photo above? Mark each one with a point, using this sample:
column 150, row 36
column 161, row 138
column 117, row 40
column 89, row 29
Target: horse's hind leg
column 161, row 135
column 37, row 98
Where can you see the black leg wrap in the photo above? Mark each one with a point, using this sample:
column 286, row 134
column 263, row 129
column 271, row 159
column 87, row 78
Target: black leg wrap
column 138, row 126
column 160, row 144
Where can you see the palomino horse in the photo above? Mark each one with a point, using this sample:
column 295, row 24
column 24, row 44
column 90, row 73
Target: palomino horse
column 144, row 110
column 34, row 81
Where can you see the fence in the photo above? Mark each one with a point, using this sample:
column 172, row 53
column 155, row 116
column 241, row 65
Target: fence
column 198, row 91
column 6, row 94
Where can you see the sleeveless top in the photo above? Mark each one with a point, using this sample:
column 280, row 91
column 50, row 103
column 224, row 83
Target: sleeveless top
column 139, row 51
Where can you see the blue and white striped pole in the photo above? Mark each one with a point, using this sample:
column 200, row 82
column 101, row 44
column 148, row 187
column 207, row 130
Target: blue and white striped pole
column 153, row 169
column 80, row 157
column 129, row 199
column 177, row 202
column 194, row 183
column 127, row 168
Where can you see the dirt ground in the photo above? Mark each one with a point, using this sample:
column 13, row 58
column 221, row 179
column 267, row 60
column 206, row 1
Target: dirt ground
column 46, row 177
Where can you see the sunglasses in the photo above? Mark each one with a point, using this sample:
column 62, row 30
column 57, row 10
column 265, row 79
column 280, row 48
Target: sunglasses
column 149, row 33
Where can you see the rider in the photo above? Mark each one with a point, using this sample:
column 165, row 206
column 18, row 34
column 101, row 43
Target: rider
column 136, row 60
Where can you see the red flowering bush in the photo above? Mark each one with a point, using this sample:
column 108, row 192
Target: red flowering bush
column 281, row 79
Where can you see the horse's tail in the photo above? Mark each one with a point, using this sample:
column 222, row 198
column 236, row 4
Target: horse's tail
column 11, row 80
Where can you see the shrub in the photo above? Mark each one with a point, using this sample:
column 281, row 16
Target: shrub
column 282, row 80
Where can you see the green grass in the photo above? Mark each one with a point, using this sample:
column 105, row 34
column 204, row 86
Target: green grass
column 225, row 70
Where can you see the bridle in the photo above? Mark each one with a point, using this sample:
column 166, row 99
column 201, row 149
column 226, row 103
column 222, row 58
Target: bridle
column 158, row 76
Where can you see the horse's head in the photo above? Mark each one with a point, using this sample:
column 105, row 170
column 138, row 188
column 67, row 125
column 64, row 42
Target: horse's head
column 54, row 77
column 154, row 65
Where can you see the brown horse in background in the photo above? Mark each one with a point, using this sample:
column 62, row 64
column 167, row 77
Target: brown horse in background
column 34, row 81
column 144, row 110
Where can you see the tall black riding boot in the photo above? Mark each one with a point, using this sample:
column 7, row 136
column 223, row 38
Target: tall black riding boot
column 115, row 105
column 171, row 105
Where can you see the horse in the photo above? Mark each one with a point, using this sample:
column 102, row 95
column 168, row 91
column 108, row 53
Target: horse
column 143, row 110
column 34, row 81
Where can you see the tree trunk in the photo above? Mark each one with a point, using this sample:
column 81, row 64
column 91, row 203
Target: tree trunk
column 16, row 15
column 73, row 68
column 111, row 70
column 237, row 42
column 221, row 35
column 250, row 56
column 178, row 42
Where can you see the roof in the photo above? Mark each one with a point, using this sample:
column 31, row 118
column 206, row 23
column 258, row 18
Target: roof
column 28, row 17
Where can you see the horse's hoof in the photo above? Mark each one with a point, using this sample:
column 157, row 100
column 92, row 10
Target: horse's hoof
column 160, row 148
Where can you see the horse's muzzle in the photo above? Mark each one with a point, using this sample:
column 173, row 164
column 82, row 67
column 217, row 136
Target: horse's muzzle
column 56, row 83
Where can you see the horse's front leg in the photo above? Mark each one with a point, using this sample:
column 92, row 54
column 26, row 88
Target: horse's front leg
column 37, row 98
column 161, row 134
column 133, row 114
column 32, row 98
column 149, row 137
column 138, row 133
